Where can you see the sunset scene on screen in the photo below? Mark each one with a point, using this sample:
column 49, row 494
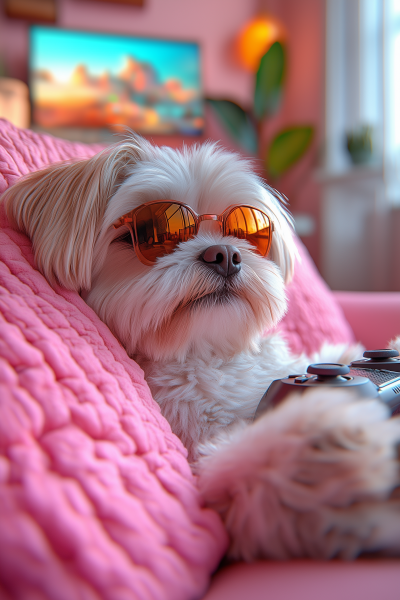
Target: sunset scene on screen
column 82, row 79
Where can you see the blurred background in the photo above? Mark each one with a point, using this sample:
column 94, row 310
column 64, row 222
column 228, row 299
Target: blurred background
column 309, row 89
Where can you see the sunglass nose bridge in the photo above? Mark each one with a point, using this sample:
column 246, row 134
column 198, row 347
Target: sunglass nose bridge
column 210, row 223
column 210, row 218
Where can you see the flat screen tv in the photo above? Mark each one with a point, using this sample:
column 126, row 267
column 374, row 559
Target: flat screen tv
column 95, row 80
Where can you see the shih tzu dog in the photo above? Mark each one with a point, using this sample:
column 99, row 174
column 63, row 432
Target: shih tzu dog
column 185, row 256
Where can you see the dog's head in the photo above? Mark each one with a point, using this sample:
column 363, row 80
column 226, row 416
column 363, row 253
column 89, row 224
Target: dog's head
column 181, row 304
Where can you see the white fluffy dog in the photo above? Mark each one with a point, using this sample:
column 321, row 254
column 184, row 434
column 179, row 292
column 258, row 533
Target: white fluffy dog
column 313, row 477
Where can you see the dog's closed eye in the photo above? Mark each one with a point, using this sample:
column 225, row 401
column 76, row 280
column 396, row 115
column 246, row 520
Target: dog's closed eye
column 126, row 238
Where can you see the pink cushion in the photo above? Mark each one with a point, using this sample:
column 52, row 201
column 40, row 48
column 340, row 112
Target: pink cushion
column 314, row 315
column 97, row 498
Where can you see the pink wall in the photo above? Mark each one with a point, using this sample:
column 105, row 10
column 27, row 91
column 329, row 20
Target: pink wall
column 214, row 24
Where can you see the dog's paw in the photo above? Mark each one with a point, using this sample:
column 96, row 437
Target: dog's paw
column 363, row 527
column 279, row 482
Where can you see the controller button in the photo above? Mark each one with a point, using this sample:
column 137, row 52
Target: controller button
column 293, row 376
column 381, row 354
column 301, row 379
column 328, row 369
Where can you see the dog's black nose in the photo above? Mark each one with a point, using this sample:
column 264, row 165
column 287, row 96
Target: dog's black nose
column 225, row 260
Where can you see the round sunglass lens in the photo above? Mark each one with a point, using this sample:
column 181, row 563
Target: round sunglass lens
column 250, row 224
column 160, row 227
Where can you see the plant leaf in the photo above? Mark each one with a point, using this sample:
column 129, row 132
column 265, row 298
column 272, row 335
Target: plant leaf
column 269, row 81
column 237, row 123
column 287, row 148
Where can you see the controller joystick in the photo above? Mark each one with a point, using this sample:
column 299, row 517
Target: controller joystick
column 381, row 354
column 386, row 359
column 366, row 383
column 329, row 370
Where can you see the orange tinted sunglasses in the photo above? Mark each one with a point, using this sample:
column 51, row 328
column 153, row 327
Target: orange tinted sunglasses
column 158, row 227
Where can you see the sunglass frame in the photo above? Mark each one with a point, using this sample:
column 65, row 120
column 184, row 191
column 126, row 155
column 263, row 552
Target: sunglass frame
column 129, row 220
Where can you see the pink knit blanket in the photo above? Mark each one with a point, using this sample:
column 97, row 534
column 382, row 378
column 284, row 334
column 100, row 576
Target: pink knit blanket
column 97, row 500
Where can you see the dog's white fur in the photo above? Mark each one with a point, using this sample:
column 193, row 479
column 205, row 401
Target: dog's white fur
column 310, row 478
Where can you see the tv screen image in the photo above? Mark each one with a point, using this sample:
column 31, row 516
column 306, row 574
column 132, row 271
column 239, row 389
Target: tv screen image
column 95, row 80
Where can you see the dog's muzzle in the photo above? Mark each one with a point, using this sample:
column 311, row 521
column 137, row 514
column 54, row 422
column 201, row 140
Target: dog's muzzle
column 224, row 260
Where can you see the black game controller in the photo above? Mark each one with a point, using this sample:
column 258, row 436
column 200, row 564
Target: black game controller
column 387, row 359
column 367, row 383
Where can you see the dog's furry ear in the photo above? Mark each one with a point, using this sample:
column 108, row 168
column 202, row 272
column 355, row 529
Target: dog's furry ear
column 61, row 208
column 283, row 249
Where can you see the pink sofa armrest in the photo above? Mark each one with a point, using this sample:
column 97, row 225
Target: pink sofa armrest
column 373, row 316
column 307, row 580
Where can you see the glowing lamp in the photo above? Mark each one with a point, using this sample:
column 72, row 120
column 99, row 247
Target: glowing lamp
column 255, row 38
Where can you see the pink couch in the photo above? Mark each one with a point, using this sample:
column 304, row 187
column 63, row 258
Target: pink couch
column 308, row 580
column 97, row 498
column 374, row 316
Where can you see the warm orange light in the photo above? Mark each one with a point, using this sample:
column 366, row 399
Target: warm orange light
column 255, row 39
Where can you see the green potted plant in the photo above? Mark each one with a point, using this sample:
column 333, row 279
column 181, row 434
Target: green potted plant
column 245, row 126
